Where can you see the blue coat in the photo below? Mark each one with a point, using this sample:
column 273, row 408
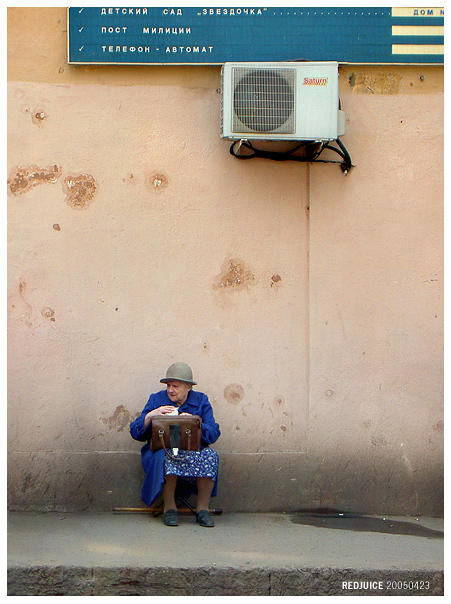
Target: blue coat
column 197, row 403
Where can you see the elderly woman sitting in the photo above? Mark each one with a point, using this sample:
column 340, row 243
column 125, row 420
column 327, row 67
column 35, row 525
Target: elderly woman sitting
column 201, row 466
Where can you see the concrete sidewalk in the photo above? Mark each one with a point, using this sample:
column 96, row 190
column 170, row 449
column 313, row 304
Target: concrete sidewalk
column 245, row 554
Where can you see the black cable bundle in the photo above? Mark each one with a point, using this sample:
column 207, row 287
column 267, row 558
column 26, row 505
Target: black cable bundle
column 313, row 151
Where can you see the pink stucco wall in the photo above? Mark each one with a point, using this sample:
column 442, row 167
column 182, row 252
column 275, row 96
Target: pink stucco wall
column 308, row 303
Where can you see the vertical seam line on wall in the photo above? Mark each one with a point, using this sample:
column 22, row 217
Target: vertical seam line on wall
column 307, row 428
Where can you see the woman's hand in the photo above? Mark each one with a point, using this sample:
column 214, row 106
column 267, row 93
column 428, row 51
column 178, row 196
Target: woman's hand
column 163, row 410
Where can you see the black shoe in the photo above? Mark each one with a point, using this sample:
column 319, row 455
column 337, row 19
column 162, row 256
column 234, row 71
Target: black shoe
column 204, row 518
column 170, row 518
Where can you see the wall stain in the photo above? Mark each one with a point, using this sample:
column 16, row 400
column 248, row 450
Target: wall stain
column 48, row 313
column 439, row 426
column 234, row 274
column 378, row 441
column 24, row 178
column 234, row 393
column 80, row 190
column 29, row 482
column 38, row 116
column 29, row 308
column 408, row 465
column 120, row 419
column 159, row 181
column 275, row 279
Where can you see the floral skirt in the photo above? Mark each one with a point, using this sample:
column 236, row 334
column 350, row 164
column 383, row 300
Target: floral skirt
column 198, row 463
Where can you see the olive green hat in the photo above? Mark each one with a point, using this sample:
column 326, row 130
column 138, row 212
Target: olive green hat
column 180, row 372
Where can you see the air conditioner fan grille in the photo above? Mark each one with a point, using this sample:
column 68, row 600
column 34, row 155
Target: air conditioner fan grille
column 264, row 100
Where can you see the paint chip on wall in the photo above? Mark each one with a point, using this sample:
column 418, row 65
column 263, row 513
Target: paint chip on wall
column 80, row 190
column 22, row 179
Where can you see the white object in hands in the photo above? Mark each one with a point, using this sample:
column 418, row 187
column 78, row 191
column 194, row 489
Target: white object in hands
column 174, row 412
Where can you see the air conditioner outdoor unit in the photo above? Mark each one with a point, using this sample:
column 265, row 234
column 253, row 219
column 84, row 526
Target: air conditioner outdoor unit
column 281, row 101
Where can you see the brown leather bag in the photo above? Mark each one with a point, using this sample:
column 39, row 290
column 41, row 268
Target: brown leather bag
column 176, row 431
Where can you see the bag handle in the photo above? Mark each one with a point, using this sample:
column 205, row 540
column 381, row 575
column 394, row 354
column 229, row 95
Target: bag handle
column 187, row 432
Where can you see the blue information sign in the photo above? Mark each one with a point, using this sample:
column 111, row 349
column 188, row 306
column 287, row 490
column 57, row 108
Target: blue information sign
column 212, row 36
